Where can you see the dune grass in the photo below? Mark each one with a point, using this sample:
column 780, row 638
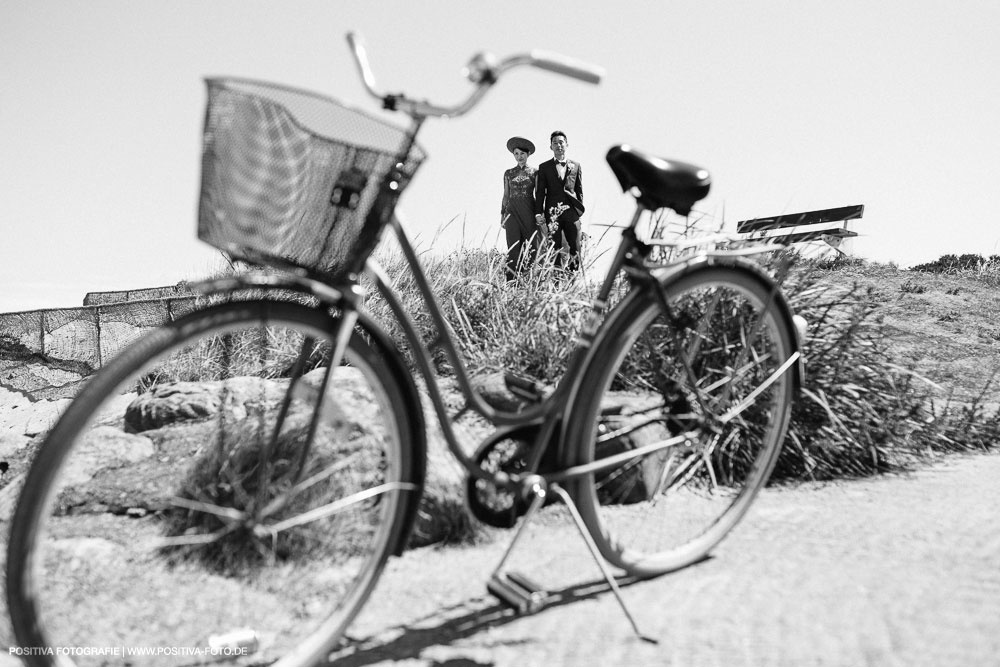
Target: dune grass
column 864, row 409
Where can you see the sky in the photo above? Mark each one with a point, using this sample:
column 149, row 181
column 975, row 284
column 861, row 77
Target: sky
column 792, row 106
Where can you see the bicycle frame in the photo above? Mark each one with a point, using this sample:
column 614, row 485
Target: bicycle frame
column 544, row 415
column 548, row 414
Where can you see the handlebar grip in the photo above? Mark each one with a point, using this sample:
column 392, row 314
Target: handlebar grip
column 567, row 66
column 357, row 44
column 360, row 54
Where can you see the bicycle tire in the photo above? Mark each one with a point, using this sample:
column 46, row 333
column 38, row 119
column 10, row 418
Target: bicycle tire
column 169, row 540
column 669, row 508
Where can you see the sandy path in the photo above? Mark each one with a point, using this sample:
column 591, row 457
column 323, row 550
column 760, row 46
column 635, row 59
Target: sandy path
column 900, row 570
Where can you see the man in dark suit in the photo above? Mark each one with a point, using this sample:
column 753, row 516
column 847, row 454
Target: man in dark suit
column 559, row 199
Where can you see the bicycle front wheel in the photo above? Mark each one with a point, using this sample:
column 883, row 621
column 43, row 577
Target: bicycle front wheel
column 216, row 492
column 692, row 393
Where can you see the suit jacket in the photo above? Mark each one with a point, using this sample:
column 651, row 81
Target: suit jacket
column 550, row 190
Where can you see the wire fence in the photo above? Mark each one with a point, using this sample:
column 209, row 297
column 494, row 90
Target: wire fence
column 46, row 354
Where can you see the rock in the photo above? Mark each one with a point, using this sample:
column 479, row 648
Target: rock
column 20, row 415
column 15, row 411
column 178, row 402
column 186, row 401
column 8, row 499
column 632, row 483
column 496, row 392
column 105, row 447
column 112, row 471
column 350, row 402
column 43, row 415
column 170, row 403
column 114, row 409
column 443, row 515
column 12, row 444
column 135, row 482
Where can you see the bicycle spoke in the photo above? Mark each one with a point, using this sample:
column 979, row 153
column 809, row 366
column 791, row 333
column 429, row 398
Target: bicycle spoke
column 191, row 540
column 300, row 362
column 627, row 430
column 334, row 507
column 761, row 388
column 230, row 514
column 280, row 502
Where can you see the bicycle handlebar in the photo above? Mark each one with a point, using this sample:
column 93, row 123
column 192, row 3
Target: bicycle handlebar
column 571, row 67
column 483, row 70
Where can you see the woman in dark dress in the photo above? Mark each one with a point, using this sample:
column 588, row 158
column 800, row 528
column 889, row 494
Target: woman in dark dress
column 517, row 210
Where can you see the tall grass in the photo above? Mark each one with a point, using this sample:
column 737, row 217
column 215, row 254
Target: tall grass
column 526, row 326
column 862, row 410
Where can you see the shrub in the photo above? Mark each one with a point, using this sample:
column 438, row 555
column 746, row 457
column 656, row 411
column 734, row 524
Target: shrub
column 527, row 326
column 956, row 263
column 912, row 287
column 855, row 400
column 862, row 410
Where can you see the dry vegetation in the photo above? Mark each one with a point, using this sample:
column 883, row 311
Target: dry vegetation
column 900, row 363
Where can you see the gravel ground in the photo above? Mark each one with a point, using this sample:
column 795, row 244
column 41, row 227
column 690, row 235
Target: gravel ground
column 898, row 570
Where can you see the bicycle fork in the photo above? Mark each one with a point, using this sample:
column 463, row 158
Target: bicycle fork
column 523, row 594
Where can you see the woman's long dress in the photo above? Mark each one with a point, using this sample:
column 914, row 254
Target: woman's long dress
column 518, row 209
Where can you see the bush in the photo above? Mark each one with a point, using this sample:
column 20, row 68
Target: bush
column 957, row 263
column 527, row 326
column 862, row 410
column 912, row 287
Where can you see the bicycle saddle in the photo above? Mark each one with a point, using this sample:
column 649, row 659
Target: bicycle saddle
column 661, row 183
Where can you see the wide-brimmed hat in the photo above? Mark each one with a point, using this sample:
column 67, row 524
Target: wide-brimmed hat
column 522, row 143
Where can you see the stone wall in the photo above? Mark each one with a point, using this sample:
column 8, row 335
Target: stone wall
column 45, row 354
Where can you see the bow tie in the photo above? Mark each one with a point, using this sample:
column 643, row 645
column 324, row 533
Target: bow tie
column 561, row 164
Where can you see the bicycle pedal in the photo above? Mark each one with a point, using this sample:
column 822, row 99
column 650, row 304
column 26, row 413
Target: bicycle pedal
column 518, row 592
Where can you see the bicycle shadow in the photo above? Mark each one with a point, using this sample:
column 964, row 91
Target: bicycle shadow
column 460, row 621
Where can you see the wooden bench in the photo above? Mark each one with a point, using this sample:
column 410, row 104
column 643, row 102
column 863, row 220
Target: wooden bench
column 829, row 225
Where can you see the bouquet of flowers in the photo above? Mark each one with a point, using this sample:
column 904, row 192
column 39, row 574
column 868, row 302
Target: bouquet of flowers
column 554, row 213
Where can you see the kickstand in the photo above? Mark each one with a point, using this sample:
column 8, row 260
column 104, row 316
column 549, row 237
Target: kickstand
column 526, row 596
column 585, row 534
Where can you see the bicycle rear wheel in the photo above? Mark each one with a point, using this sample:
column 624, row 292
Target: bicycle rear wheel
column 706, row 387
column 212, row 495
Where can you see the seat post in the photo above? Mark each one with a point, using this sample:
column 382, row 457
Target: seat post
column 637, row 215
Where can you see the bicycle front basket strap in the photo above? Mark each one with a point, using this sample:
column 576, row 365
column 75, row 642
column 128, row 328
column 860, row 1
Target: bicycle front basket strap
column 292, row 176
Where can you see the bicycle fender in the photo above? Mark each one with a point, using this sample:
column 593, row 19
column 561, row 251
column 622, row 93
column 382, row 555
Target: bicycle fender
column 329, row 295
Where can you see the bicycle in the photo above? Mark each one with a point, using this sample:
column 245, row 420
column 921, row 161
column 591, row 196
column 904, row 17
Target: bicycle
column 271, row 456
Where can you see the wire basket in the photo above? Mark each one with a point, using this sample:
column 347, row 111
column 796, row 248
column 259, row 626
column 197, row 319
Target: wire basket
column 289, row 176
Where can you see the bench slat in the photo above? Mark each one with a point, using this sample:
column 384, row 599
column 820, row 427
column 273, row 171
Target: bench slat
column 842, row 213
